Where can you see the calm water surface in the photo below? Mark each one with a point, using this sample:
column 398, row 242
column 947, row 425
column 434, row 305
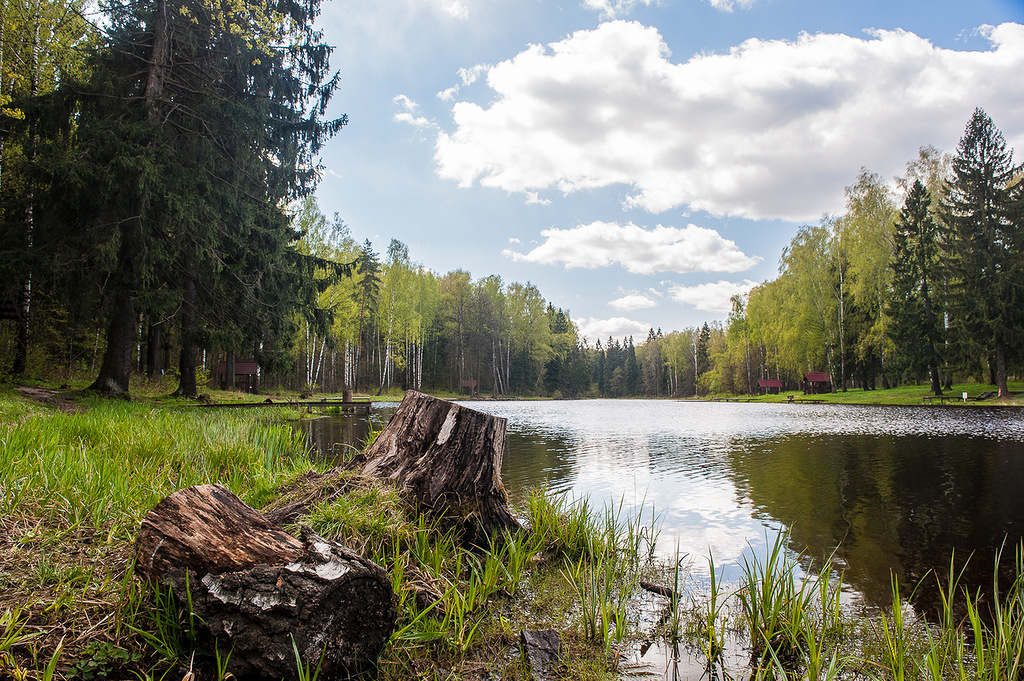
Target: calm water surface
column 886, row 488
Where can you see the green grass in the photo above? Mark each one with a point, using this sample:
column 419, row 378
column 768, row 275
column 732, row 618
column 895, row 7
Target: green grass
column 73, row 488
column 902, row 395
column 101, row 470
column 796, row 626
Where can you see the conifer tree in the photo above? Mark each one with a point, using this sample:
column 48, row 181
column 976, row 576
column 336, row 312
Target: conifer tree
column 982, row 247
column 200, row 124
column 632, row 369
column 916, row 322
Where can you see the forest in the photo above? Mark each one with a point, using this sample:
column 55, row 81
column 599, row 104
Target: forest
column 157, row 216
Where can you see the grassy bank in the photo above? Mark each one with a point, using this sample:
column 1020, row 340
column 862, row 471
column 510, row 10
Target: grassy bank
column 74, row 486
column 903, row 395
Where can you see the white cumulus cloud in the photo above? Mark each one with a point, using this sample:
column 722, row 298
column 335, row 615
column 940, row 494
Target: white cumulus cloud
column 769, row 129
column 632, row 301
column 639, row 250
column 610, row 9
column 415, row 121
column 467, row 77
column 729, row 5
column 406, row 103
column 593, row 329
column 453, row 8
column 712, row 296
column 408, row 114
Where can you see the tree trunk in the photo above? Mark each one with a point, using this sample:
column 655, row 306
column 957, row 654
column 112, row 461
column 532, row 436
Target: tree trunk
column 116, row 370
column 936, row 385
column 187, row 360
column 25, row 296
column 229, row 371
column 449, row 458
column 153, row 349
column 257, row 591
column 1000, row 362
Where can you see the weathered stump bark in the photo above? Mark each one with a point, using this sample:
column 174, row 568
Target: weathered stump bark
column 449, row 458
column 257, row 589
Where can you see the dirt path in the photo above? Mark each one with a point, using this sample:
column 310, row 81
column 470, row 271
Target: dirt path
column 51, row 398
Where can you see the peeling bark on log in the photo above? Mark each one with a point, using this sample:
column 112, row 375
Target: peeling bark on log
column 256, row 588
column 449, row 458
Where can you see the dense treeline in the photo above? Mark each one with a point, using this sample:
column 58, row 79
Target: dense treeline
column 396, row 324
column 145, row 177
column 921, row 282
column 926, row 284
column 156, row 216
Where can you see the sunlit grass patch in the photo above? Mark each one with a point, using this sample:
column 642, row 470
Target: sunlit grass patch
column 73, row 489
column 106, row 467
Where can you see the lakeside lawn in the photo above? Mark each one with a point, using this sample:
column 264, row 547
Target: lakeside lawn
column 902, row 395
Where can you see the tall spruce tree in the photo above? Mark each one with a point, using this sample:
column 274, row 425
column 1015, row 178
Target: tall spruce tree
column 199, row 125
column 916, row 324
column 982, row 247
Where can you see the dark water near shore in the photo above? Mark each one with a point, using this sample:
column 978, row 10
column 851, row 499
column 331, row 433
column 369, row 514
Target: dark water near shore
column 886, row 488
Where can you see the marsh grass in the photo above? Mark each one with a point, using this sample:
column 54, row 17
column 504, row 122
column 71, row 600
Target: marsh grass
column 104, row 468
column 798, row 627
column 572, row 570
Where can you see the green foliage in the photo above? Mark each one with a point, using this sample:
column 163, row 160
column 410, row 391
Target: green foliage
column 982, row 247
column 214, row 114
column 916, row 326
column 104, row 660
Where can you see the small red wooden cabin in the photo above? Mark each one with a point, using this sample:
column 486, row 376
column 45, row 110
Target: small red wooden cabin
column 817, row 383
column 246, row 375
column 769, row 386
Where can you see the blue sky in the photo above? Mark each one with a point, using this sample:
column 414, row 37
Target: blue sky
column 640, row 161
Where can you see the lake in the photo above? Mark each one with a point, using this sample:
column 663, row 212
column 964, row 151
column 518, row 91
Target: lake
column 885, row 488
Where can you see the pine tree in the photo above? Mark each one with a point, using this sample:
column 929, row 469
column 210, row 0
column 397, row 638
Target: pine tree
column 982, row 247
column 916, row 323
column 368, row 267
column 632, row 369
column 701, row 360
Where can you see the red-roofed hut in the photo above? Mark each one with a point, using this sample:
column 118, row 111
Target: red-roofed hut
column 817, row 383
column 246, row 375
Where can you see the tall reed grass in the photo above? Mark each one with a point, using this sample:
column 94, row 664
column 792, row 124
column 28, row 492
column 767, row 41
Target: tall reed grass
column 798, row 627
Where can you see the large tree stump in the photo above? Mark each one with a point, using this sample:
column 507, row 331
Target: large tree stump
column 257, row 589
column 449, row 458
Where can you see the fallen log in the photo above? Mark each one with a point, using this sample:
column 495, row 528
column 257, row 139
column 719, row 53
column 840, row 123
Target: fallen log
column 657, row 589
column 262, row 594
column 448, row 457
